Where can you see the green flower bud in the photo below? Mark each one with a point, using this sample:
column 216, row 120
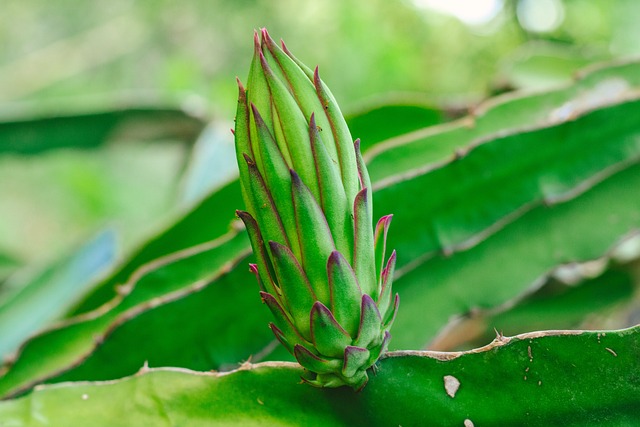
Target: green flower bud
column 322, row 270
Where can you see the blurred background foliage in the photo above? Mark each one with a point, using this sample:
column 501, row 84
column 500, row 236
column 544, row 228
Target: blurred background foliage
column 109, row 62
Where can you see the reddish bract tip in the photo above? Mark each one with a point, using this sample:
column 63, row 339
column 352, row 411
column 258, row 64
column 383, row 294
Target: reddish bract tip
column 312, row 123
column 253, row 268
column 361, row 197
column 276, row 248
column 295, row 178
column 244, row 216
column 382, row 227
column 248, row 159
column 240, row 86
column 385, row 220
column 279, row 335
column 391, row 262
column 368, row 305
column 265, row 64
column 316, row 79
column 265, row 34
column 284, row 47
column 267, row 40
column 257, row 117
column 256, row 41
column 335, row 259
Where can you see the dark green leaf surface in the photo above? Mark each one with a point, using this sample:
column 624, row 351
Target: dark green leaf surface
column 46, row 295
column 27, row 135
column 446, row 208
column 539, row 379
column 389, row 118
column 557, row 306
column 171, row 277
column 431, row 294
column 231, row 325
column 513, row 260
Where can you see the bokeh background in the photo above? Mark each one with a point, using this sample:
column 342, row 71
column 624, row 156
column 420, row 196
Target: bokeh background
column 120, row 68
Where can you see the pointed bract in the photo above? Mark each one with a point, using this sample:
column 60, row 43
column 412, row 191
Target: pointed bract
column 390, row 315
column 380, row 244
column 266, row 214
column 341, row 135
column 333, row 199
column 363, row 252
column 354, row 359
column 387, row 279
column 370, row 321
column 264, row 263
column 326, row 333
column 315, row 363
column 316, row 241
column 277, row 179
column 296, row 290
column 282, row 320
column 345, row 293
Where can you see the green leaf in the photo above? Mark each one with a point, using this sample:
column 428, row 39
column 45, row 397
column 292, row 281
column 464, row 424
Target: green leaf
column 171, row 279
column 277, row 179
column 370, row 323
column 555, row 306
column 433, row 146
column 522, row 248
column 266, row 213
column 341, row 135
column 224, row 335
column 499, row 179
column 391, row 116
column 22, row 133
column 48, row 293
column 539, row 379
column 188, row 230
column 510, row 262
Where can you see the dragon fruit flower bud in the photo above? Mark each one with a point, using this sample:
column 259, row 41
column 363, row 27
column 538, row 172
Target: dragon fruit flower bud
column 322, row 269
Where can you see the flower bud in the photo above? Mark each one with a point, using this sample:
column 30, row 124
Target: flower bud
column 320, row 266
